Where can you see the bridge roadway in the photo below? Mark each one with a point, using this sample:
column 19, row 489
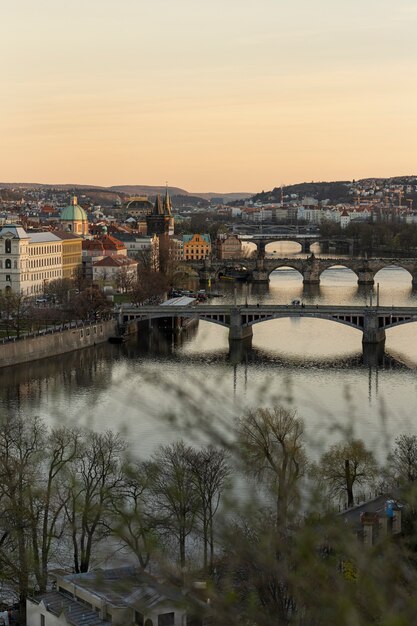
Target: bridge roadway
column 239, row 319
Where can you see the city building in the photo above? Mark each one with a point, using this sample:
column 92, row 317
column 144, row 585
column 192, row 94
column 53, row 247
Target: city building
column 228, row 247
column 160, row 220
column 72, row 252
column 122, row 597
column 74, row 218
column 28, row 261
column 143, row 248
column 111, row 269
column 196, row 247
column 138, row 206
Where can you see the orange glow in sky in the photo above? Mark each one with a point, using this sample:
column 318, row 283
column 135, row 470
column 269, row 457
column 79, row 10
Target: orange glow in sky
column 226, row 95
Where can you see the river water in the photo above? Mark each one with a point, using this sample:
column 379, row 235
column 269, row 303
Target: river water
column 157, row 390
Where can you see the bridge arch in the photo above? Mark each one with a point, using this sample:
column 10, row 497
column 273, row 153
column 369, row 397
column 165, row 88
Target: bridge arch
column 275, row 246
column 411, row 271
column 287, row 264
column 354, row 321
column 338, row 266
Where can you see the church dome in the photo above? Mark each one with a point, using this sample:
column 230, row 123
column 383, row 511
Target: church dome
column 73, row 212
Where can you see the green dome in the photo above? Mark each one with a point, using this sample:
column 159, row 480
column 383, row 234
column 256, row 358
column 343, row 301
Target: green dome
column 73, row 212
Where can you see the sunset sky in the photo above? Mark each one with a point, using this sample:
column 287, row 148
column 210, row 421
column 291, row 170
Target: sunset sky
column 222, row 95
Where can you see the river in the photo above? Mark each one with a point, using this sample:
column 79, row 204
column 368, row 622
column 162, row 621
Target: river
column 153, row 392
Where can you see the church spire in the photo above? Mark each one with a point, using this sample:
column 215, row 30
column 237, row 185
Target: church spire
column 158, row 208
column 167, row 202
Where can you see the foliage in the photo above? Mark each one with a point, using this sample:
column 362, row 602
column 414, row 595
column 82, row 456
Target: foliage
column 345, row 466
column 271, row 441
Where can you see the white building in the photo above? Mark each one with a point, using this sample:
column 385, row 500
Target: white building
column 28, row 261
column 122, row 597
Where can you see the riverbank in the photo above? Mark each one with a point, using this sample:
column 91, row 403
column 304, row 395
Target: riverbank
column 50, row 344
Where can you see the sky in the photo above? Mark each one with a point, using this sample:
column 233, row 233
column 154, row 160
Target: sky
column 216, row 95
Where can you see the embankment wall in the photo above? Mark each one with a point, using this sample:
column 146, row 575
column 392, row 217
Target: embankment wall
column 43, row 346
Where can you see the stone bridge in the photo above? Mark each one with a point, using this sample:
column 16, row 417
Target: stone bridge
column 371, row 321
column 258, row 270
column 305, row 241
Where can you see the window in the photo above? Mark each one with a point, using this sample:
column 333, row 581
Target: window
column 166, row 619
column 8, row 246
column 8, row 264
column 8, row 279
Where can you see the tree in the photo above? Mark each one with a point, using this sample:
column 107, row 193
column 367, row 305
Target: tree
column 132, row 521
column 59, row 289
column 124, row 280
column 344, row 466
column 210, row 471
column 148, row 285
column 94, row 478
column 403, row 459
column 22, row 444
column 14, row 308
column 45, row 505
column 90, row 304
column 273, row 449
column 176, row 501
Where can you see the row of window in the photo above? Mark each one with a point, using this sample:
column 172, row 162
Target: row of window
column 50, row 249
column 51, row 274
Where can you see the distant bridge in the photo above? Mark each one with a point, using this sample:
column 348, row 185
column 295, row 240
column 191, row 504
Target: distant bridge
column 259, row 270
column 261, row 240
column 371, row 321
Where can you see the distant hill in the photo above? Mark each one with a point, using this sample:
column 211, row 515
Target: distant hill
column 129, row 190
column 148, row 190
column 337, row 191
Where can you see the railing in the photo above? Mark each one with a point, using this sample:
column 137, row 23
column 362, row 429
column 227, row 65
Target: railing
column 54, row 330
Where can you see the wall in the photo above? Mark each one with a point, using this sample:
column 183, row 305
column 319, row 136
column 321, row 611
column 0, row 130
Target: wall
column 34, row 612
column 26, row 350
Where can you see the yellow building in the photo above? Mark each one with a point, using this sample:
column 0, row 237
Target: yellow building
column 71, row 253
column 196, row 247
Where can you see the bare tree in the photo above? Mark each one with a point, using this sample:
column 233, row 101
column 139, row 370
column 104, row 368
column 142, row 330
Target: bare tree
column 46, row 506
column 22, row 444
column 90, row 304
column 59, row 289
column 14, row 308
column 148, row 285
column 132, row 521
column 210, row 471
column 272, row 446
column 402, row 461
column 176, row 501
column 345, row 466
column 94, row 478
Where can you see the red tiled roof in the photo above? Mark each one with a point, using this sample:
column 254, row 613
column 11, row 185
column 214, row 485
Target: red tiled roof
column 112, row 261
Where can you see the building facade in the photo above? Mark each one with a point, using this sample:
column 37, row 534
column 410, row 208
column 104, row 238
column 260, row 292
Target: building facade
column 229, row 247
column 71, row 253
column 28, row 261
column 196, row 247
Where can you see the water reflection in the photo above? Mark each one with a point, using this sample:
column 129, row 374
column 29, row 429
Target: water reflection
column 312, row 365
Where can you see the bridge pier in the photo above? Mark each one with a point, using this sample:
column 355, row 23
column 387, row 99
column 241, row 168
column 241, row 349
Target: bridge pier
column 259, row 276
column 372, row 334
column 239, row 349
column 237, row 331
column 373, row 354
column 365, row 277
column 259, row 273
